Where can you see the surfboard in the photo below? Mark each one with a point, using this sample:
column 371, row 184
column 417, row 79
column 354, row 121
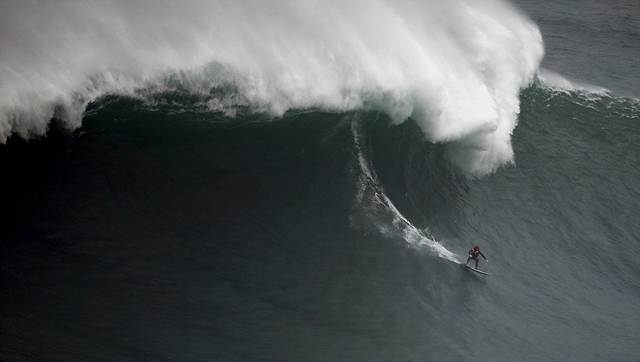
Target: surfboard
column 475, row 270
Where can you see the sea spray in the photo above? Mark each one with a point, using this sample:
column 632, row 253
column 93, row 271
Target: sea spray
column 456, row 67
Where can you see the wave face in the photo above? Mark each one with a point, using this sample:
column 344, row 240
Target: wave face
column 163, row 232
column 456, row 67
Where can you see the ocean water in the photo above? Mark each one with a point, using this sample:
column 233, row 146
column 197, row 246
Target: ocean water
column 300, row 181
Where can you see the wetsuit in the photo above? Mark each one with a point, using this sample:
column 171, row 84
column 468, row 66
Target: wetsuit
column 473, row 254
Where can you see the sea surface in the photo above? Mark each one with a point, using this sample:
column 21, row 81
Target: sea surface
column 301, row 181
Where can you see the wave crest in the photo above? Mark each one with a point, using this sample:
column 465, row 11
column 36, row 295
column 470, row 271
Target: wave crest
column 454, row 66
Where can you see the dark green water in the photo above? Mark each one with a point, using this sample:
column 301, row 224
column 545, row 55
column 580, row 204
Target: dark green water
column 169, row 233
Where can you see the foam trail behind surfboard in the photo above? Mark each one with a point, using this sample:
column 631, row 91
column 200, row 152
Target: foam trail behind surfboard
column 380, row 202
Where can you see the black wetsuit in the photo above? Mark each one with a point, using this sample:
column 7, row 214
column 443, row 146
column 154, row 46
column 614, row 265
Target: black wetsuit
column 473, row 254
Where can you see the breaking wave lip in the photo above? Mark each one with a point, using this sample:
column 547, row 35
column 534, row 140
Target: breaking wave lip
column 456, row 67
column 556, row 81
column 586, row 95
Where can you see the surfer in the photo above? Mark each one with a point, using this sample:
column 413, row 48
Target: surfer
column 473, row 254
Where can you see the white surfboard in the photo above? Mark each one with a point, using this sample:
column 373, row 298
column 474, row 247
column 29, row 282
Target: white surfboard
column 475, row 270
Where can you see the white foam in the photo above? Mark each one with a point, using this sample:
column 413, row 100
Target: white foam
column 455, row 66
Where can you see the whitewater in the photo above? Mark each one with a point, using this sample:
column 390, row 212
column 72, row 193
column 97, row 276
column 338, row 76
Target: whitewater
column 456, row 67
